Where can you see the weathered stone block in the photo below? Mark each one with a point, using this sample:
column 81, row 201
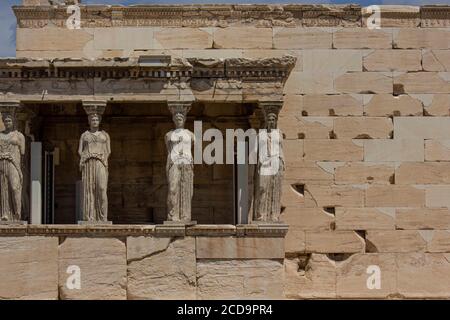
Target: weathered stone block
column 393, row 60
column 333, row 150
column 302, row 38
column 330, row 196
column 365, row 219
column 423, row 218
column 183, row 38
column 362, row 38
column 395, row 241
column 423, row 173
column 103, row 268
column 422, row 128
column 295, row 240
column 440, row 241
column 162, row 272
column 239, row 248
column 363, row 128
column 438, row 105
column 123, row 38
column 334, row 242
column 29, row 268
column 308, row 218
column 388, row 105
column 394, row 149
column 315, row 127
column 364, row 82
column 422, row 82
column 337, row 61
column 364, row 172
column 332, row 105
column 394, row 196
column 437, row 150
column 436, row 60
column 309, row 277
column 352, row 276
column 240, row 279
column 437, row 196
column 243, row 38
column 417, row 38
column 423, row 275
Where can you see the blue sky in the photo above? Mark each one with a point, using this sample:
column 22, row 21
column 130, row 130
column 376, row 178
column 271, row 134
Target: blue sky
column 8, row 22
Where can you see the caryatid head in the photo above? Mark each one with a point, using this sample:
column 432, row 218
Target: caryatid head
column 8, row 111
column 271, row 111
column 179, row 112
column 94, row 110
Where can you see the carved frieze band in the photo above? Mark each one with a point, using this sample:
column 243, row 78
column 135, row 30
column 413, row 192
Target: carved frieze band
column 230, row 15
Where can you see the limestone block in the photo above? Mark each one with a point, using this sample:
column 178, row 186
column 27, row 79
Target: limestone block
column 333, row 150
column 423, row 218
column 293, row 151
column 132, row 38
column 364, row 172
column 103, row 268
column 337, row 61
column 292, row 106
column 395, row 241
column 423, row 275
column 308, row 218
column 353, row 275
column 394, row 196
column 242, row 38
column 289, row 126
column 364, row 82
column 363, row 128
column 334, row 242
column 330, row 196
column 440, row 241
column 315, row 127
column 309, row 277
column 53, row 39
column 423, row 173
column 265, row 53
column 310, row 82
column 183, row 38
column 213, row 53
column 417, row 38
column 332, row 105
column 422, row 82
column 436, row 60
column 163, row 274
column 240, row 279
column 394, row 16
column 239, row 248
column 439, row 105
column 365, row 219
column 306, row 170
column 437, row 196
column 302, row 38
column 422, row 127
column 393, row 60
column 388, row 105
column 362, row 38
column 437, row 150
column 290, row 196
column 29, row 268
column 295, row 240
column 394, row 149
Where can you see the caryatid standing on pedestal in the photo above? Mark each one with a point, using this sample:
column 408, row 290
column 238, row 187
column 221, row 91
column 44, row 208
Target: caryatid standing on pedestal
column 180, row 165
column 12, row 149
column 94, row 151
column 270, row 167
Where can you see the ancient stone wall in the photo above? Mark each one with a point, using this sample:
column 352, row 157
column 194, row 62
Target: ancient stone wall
column 367, row 125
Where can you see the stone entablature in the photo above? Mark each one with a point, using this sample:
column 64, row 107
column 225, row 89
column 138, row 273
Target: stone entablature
column 130, row 79
column 223, row 15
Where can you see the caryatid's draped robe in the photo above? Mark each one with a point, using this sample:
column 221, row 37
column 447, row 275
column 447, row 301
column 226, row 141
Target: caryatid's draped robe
column 94, row 167
column 269, row 176
column 180, row 174
column 12, row 148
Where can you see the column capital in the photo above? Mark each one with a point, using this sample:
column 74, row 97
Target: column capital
column 271, row 106
column 10, row 107
column 94, row 106
column 179, row 106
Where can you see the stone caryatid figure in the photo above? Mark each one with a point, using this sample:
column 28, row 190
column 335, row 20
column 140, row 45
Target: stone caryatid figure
column 12, row 149
column 94, row 150
column 180, row 165
column 270, row 167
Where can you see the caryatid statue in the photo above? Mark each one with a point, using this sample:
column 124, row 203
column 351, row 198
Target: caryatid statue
column 12, row 149
column 94, row 150
column 270, row 167
column 180, row 165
